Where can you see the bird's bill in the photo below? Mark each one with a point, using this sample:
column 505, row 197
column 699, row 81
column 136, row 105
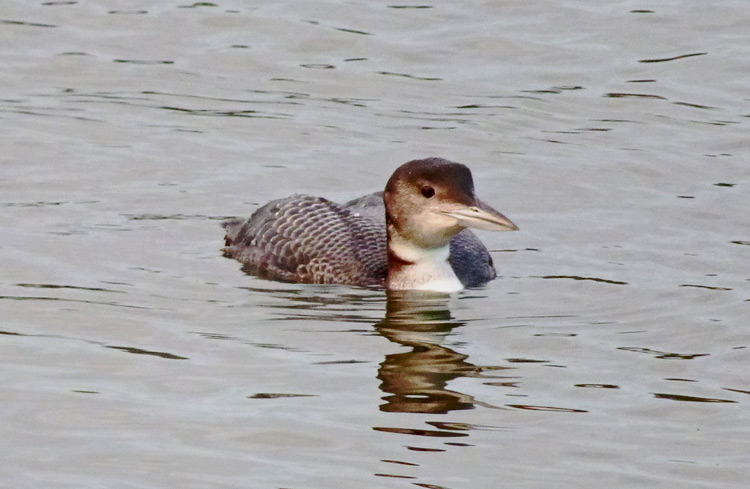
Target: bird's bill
column 480, row 216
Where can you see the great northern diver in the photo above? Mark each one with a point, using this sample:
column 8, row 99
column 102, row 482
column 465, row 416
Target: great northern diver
column 423, row 244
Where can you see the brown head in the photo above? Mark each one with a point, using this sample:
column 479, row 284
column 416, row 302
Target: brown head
column 429, row 201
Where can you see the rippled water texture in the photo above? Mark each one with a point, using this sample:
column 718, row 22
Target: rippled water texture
column 611, row 352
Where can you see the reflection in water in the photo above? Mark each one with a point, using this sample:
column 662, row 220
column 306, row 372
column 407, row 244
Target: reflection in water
column 416, row 380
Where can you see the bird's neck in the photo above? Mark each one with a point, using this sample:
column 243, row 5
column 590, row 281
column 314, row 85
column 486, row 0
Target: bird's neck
column 411, row 267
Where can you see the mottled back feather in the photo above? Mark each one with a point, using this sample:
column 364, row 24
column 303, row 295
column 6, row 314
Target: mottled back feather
column 310, row 240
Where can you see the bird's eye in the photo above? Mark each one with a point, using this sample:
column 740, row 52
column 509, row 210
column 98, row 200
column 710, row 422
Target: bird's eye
column 428, row 191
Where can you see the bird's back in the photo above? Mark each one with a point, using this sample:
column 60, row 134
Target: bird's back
column 310, row 240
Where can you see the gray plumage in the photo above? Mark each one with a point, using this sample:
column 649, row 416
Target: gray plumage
column 309, row 240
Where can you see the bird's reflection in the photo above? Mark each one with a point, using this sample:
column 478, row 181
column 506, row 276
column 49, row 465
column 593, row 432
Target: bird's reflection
column 416, row 381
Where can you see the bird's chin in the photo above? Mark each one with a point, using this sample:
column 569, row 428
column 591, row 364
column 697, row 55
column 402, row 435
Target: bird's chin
column 436, row 230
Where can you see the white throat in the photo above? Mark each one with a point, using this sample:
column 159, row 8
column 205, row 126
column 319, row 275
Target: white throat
column 427, row 269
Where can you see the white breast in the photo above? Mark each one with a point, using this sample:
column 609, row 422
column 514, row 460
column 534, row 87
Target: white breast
column 429, row 269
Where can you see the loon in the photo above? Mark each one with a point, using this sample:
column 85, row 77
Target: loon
column 413, row 238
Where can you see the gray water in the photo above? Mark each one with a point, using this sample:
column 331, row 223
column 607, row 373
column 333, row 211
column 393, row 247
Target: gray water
column 612, row 351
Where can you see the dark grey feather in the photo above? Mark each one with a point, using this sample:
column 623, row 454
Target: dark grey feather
column 309, row 240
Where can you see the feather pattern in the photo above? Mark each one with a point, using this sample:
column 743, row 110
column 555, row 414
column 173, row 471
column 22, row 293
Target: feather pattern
column 310, row 240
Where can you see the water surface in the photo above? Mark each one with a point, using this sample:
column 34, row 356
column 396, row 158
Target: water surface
column 611, row 351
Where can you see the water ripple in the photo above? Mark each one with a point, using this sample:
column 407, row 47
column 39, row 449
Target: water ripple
column 662, row 60
column 140, row 351
column 662, row 354
column 683, row 398
column 24, row 23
